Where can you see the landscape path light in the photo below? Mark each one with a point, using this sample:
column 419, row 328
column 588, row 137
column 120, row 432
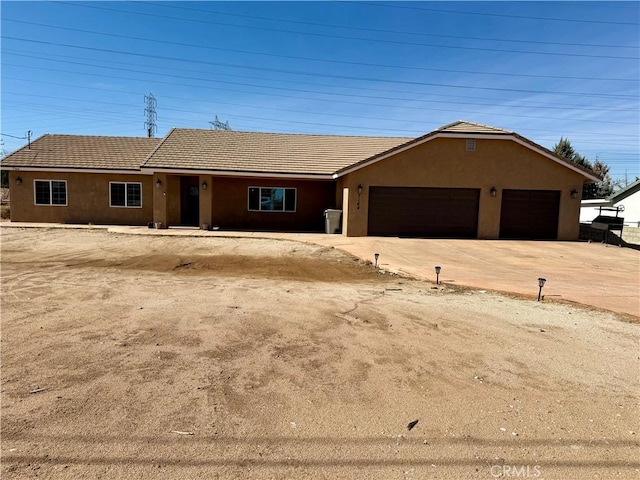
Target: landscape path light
column 376, row 256
column 438, row 268
column 540, row 284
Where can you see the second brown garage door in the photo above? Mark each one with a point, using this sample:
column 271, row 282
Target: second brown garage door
column 530, row 214
column 424, row 212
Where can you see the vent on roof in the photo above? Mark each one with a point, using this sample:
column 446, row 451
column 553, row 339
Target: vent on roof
column 471, row 144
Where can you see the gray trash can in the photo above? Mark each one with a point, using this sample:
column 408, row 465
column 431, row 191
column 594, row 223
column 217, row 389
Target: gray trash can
column 332, row 220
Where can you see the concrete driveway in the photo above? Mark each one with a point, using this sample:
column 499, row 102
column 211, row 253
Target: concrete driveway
column 605, row 277
column 586, row 273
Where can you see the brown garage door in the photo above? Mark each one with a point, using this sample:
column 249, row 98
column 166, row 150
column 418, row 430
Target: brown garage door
column 424, row 212
column 530, row 214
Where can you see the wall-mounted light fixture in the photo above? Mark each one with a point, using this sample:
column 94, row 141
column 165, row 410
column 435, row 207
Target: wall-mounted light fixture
column 493, row 192
column 158, row 183
column 204, row 185
column 574, row 193
column 438, row 269
column 360, row 190
column 18, row 181
column 540, row 285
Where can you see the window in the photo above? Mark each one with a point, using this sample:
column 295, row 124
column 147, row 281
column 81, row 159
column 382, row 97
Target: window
column 125, row 194
column 50, row 192
column 267, row 199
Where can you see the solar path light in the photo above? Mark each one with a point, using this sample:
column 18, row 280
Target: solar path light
column 376, row 256
column 540, row 284
column 438, row 275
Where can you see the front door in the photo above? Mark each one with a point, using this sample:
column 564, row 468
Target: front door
column 189, row 201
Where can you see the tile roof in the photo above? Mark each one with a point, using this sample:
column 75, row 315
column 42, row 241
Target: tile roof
column 242, row 152
column 463, row 126
column 83, row 152
column 284, row 153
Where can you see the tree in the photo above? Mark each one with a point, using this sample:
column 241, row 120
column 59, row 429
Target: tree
column 600, row 169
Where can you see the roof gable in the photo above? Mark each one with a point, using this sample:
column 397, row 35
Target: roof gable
column 464, row 129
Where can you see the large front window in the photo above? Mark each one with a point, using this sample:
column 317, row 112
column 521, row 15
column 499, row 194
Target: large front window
column 125, row 194
column 269, row 199
column 50, row 192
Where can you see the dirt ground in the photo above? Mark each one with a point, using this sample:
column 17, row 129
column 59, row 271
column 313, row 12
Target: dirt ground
column 169, row 357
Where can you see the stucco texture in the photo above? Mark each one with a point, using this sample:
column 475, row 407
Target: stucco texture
column 445, row 162
column 87, row 199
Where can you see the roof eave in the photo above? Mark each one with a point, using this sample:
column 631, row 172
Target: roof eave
column 237, row 173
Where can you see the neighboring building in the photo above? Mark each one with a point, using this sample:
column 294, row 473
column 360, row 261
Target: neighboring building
column 626, row 200
column 463, row 180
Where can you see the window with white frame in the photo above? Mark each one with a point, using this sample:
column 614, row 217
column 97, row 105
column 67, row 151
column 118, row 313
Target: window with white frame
column 125, row 194
column 270, row 199
column 50, row 192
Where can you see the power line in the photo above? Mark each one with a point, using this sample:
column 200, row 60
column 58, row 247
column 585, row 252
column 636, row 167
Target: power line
column 331, row 114
column 315, row 74
column 306, row 98
column 405, row 132
column 292, row 57
column 502, row 15
column 13, row 136
column 378, row 30
column 376, row 97
column 345, row 37
column 545, row 105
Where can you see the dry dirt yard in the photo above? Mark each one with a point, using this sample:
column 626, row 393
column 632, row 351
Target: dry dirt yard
column 150, row 357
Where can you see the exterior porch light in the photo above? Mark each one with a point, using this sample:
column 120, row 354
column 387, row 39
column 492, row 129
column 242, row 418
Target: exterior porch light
column 493, row 192
column 204, row 185
column 438, row 268
column 376, row 256
column 574, row 193
column 360, row 190
column 18, row 180
column 540, row 284
column 158, row 183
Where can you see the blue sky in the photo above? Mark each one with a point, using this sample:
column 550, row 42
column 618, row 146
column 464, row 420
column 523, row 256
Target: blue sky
column 542, row 69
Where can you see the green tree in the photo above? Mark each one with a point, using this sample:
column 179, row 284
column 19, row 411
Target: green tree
column 600, row 169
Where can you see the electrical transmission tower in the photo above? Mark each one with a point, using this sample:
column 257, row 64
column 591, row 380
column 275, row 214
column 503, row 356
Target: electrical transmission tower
column 218, row 125
column 150, row 112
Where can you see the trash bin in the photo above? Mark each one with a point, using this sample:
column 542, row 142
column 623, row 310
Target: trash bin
column 332, row 220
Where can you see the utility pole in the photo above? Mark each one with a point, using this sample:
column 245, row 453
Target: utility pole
column 150, row 112
column 218, row 125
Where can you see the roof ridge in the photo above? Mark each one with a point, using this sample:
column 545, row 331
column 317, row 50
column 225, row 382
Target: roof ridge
column 475, row 124
column 225, row 132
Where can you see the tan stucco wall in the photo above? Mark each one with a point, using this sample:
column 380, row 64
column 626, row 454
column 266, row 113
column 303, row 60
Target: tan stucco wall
column 229, row 207
column 87, row 199
column 444, row 162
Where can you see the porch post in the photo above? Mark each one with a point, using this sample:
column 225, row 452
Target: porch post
column 206, row 195
column 159, row 186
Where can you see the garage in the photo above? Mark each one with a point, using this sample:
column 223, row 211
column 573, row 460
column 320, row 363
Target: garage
column 423, row 212
column 530, row 214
